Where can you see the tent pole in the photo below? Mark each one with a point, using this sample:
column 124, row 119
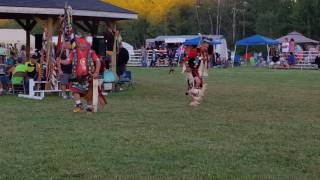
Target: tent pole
column 268, row 51
column 235, row 53
column 246, row 55
column 214, row 55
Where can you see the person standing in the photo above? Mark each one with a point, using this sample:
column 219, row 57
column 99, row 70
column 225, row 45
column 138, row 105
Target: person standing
column 122, row 60
column 171, row 55
column 23, row 53
column 285, row 46
column 85, row 67
column 292, row 46
column 65, row 71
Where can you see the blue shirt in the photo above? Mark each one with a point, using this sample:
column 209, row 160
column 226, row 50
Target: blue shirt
column 11, row 61
column 292, row 59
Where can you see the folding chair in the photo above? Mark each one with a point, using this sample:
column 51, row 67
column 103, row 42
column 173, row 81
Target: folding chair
column 17, row 80
column 126, row 78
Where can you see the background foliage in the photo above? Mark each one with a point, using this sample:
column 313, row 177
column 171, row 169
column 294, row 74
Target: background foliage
column 272, row 18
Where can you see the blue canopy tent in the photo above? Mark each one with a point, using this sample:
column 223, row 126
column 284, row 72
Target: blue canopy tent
column 198, row 40
column 256, row 40
column 193, row 42
column 215, row 42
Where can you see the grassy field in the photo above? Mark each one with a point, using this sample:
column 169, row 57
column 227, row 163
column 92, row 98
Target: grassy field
column 253, row 124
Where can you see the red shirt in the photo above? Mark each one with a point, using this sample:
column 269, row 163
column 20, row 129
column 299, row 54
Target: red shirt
column 82, row 64
column 193, row 53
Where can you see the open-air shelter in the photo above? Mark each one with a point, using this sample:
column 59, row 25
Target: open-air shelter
column 87, row 15
column 298, row 38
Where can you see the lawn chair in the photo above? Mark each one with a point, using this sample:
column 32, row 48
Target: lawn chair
column 109, row 79
column 126, row 78
column 17, row 82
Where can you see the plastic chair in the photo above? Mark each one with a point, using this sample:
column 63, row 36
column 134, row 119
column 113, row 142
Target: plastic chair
column 17, row 80
column 109, row 79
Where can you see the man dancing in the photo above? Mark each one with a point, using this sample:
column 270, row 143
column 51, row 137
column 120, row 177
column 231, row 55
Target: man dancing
column 194, row 63
column 85, row 68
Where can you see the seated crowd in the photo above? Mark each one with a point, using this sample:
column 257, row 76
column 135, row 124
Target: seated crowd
column 18, row 70
column 15, row 66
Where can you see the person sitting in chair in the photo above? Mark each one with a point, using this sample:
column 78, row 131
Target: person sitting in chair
column 18, row 72
column 3, row 78
column 32, row 68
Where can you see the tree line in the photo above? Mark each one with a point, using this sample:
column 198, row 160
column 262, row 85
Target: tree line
column 234, row 19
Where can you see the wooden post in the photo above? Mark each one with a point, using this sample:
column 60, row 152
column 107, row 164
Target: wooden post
column 114, row 54
column 95, row 94
column 48, row 49
column 111, row 27
column 49, row 39
column 28, row 26
column 28, row 30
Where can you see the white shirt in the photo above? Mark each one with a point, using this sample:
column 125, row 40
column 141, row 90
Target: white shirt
column 285, row 47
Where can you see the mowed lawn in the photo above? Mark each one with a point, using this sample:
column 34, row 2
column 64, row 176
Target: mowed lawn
column 253, row 124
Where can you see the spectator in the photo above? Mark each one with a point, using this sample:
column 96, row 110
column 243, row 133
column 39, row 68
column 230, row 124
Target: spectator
column 2, row 54
column 11, row 61
column 23, row 53
column 292, row 46
column 292, row 59
column 15, row 49
column 3, row 78
column 171, row 55
column 285, row 46
column 275, row 58
column 317, row 61
column 144, row 60
column 218, row 61
column 65, row 71
column 122, row 60
column 32, row 68
column 284, row 63
column 154, row 58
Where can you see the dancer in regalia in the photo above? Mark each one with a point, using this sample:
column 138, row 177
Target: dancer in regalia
column 194, row 67
column 85, row 68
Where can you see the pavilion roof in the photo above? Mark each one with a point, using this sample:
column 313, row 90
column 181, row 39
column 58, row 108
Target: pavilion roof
column 81, row 8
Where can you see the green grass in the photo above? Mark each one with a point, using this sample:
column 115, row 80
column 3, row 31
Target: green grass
column 253, row 124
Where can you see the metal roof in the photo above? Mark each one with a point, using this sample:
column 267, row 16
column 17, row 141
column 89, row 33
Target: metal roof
column 81, row 8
